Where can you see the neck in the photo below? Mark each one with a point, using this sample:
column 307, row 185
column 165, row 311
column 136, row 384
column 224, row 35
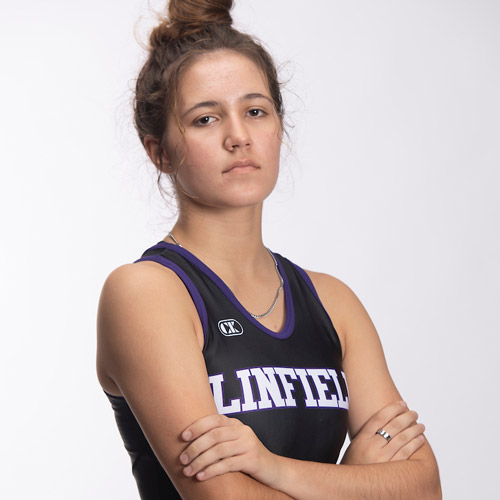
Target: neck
column 228, row 241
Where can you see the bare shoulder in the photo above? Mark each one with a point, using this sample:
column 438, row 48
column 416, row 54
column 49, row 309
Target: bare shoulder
column 145, row 288
column 328, row 284
column 138, row 301
column 140, row 275
column 340, row 302
column 149, row 353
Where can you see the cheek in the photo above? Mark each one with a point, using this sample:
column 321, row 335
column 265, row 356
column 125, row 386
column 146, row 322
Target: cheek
column 196, row 170
column 273, row 149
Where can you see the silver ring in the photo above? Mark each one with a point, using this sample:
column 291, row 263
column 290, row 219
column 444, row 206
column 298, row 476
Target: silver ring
column 384, row 434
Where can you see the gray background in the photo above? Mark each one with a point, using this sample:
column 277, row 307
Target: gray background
column 392, row 185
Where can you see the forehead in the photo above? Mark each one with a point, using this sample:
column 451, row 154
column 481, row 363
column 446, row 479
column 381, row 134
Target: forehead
column 221, row 76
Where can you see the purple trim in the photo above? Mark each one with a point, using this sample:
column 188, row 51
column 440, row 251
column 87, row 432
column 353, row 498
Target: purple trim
column 287, row 329
column 308, row 281
column 193, row 291
column 160, row 244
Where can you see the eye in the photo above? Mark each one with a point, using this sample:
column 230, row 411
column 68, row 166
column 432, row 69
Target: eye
column 257, row 113
column 204, row 120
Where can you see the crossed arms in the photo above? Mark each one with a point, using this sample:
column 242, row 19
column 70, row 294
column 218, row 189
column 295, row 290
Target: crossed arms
column 141, row 355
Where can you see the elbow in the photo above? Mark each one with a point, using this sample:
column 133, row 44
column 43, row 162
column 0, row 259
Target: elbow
column 436, row 493
column 429, row 482
column 433, row 483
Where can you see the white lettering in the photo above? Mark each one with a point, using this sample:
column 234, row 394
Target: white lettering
column 283, row 373
column 216, row 382
column 268, row 386
column 230, row 325
column 343, row 399
column 302, row 373
column 322, row 388
column 277, row 389
column 249, row 403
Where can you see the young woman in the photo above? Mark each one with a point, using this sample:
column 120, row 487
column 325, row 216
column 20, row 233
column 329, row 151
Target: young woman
column 220, row 358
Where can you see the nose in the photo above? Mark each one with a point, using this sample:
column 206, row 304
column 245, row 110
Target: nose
column 237, row 135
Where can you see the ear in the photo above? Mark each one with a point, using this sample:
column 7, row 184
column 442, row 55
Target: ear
column 157, row 154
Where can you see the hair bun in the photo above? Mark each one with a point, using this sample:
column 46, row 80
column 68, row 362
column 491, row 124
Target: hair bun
column 188, row 16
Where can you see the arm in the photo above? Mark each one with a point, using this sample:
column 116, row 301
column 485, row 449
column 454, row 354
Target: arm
column 149, row 348
column 403, row 468
column 220, row 444
column 370, row 388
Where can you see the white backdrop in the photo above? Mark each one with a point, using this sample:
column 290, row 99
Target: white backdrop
column 393, row 186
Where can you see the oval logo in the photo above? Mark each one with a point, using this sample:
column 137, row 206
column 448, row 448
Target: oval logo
column 230, row 327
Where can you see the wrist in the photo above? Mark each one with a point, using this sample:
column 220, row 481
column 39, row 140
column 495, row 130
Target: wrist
column 279, row 473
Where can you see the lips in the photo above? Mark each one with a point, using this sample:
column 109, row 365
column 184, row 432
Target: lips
column 241, row 164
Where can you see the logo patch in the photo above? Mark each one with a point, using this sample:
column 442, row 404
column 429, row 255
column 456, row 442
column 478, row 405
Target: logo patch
column 230, row 327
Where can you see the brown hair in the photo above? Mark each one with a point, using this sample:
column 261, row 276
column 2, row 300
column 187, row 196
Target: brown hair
column 190, row 29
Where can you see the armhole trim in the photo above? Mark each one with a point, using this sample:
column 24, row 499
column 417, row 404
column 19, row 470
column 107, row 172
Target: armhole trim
column 308, row 281
column 310, row 285
column 193, row 291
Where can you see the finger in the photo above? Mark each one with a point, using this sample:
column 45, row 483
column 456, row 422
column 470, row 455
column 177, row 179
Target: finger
column 230, row 464
column 217, row 453
column 409, row 449
column 401, row 422
column 204, row 424
column 208, row 440
column 404, row 437
column 383, row 416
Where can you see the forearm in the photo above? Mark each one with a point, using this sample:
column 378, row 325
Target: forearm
column 408, row 480
column 230, row 486
column 246, row 488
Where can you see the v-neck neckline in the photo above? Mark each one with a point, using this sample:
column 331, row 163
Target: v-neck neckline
column 287, row 328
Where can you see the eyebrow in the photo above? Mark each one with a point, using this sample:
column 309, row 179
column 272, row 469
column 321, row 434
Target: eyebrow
column 213, row 104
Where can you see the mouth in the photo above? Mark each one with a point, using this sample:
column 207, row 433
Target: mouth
column 242, row 165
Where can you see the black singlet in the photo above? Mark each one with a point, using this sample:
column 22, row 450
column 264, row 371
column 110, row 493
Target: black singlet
column 288, row 385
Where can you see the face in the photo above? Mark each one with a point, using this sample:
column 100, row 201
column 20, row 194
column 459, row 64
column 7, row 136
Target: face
column 228, row 155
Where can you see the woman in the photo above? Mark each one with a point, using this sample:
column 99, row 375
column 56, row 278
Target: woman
column 212, row 400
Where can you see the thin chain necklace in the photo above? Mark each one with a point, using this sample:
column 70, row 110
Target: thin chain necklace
column 273, row 305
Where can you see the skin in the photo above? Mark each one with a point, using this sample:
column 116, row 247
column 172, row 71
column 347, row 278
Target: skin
column 220, row 444
column 150, row 335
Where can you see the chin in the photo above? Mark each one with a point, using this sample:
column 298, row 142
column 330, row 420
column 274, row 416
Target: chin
column 237, row 197
column 247, row 198
column 234, row 202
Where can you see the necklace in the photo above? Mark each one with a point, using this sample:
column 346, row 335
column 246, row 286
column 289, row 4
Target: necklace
column 275, row 301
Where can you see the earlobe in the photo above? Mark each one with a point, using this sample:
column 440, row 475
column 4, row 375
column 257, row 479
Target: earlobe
column 157, row 154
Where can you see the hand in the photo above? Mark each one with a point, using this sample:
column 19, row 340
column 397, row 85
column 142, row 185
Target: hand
column 400, row 423
column 219, row 444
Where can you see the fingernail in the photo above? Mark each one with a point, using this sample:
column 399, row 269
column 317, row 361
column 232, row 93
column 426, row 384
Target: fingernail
column 200, row 475
column 187, row 470
column 186, row 435
column 403, row 404
column 184, row 458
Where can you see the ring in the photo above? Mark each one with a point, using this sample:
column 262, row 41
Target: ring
column 384, row 434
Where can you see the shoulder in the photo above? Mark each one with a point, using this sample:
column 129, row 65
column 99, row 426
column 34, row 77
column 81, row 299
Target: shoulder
column 149, row 353
column 340, row 302
column 370, row 384
column 140, row 302
column 143, row 287
column 139, row 274
column 327, row 283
